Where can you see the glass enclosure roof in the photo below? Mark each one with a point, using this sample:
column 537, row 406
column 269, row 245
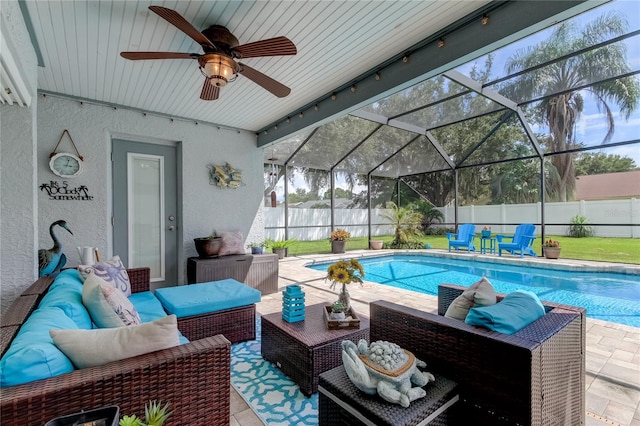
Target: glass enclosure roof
column 463, row 117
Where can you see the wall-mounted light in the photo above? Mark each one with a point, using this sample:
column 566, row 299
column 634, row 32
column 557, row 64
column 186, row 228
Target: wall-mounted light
column 441, row 42
column 300, row 115
column 334, row 96
column 485, row 19
column 377, row 76
column 405, row 58
column 316, row 107
column 353, row 89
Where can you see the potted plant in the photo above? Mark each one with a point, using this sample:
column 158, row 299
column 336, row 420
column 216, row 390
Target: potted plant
column 257, row 247
column 338, row 239
column 155, row 413
column 345, row 272
column 280, row 247
column 208, row 246
column 376, row 244
column 551, row 249
column 486, row 232
column 337, row 311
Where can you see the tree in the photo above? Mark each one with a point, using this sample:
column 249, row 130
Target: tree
column 429, row 213
column 406, row 221
column 561, row 112
column 597, row 163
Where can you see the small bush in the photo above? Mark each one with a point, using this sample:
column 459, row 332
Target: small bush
column 580, row 227
column 438, row 230
column 411, row 245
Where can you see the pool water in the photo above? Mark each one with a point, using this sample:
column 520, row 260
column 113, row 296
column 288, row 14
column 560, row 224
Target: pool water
column 606, row 296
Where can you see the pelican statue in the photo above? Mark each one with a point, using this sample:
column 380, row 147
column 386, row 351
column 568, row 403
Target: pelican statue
column 53, row 260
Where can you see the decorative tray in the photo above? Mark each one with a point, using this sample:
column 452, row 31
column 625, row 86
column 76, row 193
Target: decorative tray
column 347, row 323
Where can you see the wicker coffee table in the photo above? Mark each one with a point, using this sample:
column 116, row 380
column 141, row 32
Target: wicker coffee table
column 304, row 349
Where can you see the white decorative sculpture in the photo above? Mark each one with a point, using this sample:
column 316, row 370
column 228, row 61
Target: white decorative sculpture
column 385, row 368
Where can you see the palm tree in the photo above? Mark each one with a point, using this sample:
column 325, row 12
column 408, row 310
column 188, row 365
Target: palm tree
column 407, row 222
column 429, row 213
column 562, row 111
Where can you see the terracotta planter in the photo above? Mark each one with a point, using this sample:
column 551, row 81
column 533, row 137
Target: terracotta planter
column 207, row 247
column 551, row 252
column 337, row 246
column 376, row 244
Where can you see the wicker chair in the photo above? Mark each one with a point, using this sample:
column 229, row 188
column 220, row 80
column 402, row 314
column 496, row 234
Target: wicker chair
column 532, row 377
column 193, row 378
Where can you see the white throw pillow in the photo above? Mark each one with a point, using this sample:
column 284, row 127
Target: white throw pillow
column 480, row 293
column 107, row 306
column 88, row 348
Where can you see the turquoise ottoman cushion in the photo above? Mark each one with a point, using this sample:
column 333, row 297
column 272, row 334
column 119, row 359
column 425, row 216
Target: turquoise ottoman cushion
column 197, row 299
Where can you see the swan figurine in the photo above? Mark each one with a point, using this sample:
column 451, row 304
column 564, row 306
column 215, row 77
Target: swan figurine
column 53, row 260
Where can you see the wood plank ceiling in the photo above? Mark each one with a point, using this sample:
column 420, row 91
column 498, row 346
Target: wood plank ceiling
column 337, row 41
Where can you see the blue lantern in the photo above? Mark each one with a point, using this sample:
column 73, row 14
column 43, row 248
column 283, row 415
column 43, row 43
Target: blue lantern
column 293, row 303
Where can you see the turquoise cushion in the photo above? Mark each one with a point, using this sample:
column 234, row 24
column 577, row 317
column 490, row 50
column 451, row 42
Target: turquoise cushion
column 148, row 306
column 201, row 298
column 66, row 294
column 515, row 311
column 32, row 354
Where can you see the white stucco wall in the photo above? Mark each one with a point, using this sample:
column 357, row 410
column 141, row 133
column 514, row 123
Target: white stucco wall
column 18, row 209
column 205, row 207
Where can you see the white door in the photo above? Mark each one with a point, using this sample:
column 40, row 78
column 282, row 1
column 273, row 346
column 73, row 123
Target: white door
column 145, row 208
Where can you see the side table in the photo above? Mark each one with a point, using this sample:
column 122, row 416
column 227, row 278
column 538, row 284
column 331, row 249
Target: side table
column 304, row 349
column 342, row 403
column 488, row 244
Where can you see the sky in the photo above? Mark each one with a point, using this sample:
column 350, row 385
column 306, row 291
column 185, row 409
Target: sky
column 592, row 126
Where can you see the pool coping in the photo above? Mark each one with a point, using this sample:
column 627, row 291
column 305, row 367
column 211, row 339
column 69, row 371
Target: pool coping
column 534, row 262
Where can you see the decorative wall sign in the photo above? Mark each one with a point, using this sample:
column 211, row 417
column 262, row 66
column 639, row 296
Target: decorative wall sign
column 225, row 176
column 55, row 191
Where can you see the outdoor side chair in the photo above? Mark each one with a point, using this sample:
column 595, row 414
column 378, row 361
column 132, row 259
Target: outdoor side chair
column 521, row 241
column 464, row 237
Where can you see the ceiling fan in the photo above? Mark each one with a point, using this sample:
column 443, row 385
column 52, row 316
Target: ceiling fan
column 221, row 49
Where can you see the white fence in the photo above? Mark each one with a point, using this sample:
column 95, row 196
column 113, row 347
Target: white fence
column 315, row 224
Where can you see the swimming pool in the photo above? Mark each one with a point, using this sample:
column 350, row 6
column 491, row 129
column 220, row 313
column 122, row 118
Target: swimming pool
column 607, row 296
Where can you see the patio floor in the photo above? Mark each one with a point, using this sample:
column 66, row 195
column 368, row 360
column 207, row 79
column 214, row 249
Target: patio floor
column 613, row 350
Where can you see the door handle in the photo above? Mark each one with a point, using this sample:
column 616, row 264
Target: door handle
column 172, row 228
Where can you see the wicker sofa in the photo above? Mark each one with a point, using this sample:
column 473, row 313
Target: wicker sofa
column 532, row 377
column 193, row 377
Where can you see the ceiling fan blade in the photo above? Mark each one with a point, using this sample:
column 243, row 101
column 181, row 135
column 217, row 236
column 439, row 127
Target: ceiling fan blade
column 278, row 89
column 175, row 19
column 270, row 47
column 209, row 91
column 135, row 56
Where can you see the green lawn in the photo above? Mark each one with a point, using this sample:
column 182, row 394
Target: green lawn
column 622, row 250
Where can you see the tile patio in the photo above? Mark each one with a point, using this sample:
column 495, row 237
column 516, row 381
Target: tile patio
column 613, row 350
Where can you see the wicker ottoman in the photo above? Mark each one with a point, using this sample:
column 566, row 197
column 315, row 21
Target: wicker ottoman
column 218, row 307
column 341, row 403
column 304, row 349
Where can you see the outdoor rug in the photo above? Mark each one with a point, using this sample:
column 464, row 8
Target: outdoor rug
column 274, row 397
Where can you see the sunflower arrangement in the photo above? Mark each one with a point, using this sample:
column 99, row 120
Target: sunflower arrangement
column 345, row 272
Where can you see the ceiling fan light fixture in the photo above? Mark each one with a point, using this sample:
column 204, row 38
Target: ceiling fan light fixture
column 218, row 69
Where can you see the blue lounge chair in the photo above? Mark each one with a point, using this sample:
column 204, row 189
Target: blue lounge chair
column 521, row 241
column 464, row 237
